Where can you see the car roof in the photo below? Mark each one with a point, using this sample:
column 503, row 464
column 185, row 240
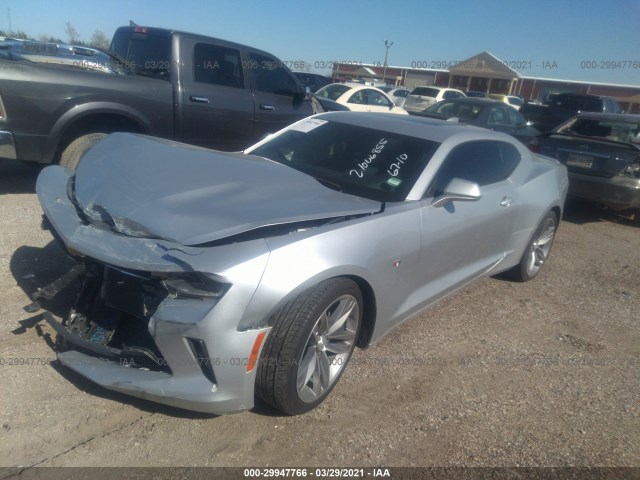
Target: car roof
column 358, row 86
column 624, row 117
column 411, row 125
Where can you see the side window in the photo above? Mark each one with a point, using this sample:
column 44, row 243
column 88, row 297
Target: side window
column 217, row 65
column 497, row 116
column 375, row 98
column 515, row 118
column 481, row 162
column 510, row 159
column 358, row 98
column 450, row 94
column 270, row 75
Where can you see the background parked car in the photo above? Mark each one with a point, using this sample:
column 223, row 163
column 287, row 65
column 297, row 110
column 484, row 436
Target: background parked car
column 486, row 113
column 602, row 153
column 314, row 81
column 560, row 107
column 476, row 94
column 515, row 102
column 360, row 98
column 423, row 97
column 398, row 95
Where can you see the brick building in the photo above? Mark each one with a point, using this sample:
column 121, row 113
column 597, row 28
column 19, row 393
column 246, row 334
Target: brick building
column 486, row 73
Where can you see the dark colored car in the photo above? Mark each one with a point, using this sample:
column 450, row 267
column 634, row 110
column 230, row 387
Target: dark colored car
column 182, row 86
column 560, row 107
column 602, row 153
column 314, row 81
column 486, row 113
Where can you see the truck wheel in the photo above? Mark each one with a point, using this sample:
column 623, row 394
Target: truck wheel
column 71, row 155
column 309, row 346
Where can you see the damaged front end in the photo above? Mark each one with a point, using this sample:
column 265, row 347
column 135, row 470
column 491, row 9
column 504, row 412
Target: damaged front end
column 110, row 318
column 150, row 319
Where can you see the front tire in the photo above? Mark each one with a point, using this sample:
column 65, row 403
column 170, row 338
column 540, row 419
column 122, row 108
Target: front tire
column 538, row 249
column 309, row 346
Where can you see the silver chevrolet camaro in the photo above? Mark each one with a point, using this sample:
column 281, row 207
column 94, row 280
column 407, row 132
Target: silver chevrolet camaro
column 209, row 278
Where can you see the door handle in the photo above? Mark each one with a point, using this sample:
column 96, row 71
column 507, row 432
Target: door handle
column 506, row 201
column 196, row 99
column 267, row 107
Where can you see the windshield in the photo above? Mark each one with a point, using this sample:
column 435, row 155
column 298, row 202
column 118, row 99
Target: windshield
column 360, row 161
column 627, row 132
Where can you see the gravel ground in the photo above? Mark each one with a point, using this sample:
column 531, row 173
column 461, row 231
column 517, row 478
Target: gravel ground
column 501, row 374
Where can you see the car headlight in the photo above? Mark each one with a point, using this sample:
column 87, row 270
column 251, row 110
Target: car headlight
column 194, row 285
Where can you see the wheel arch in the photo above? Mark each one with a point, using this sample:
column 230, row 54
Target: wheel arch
column 369, row 307
column 100, row 117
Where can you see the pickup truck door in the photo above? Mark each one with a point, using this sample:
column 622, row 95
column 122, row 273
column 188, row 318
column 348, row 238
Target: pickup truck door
column 216, row 108
column 279, row 100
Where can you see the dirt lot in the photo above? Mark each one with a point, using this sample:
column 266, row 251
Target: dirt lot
column 502, row 374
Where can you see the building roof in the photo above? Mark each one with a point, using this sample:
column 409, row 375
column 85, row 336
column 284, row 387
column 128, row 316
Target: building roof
column 484, row 64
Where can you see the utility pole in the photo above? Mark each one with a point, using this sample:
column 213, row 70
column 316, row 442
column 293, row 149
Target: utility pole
column 9, row 15
column 387, row 46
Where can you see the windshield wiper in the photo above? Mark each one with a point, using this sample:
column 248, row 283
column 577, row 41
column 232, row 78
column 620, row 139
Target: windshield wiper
column 327, row 183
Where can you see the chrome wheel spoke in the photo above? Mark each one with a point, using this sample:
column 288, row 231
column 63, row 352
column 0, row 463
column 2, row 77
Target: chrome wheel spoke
column 546, row 238
column 307, row 368
column 339, row 348
column 340, row 315
column 342, row 335
column 324, row 370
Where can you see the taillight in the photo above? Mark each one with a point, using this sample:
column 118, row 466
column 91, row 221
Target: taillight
column 141, row 29
column 633, row 170
column 534, row 145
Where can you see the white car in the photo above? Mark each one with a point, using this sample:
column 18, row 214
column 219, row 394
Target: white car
column 421, row 98
column 512, row 100
column 397, row 94
column 360, row 98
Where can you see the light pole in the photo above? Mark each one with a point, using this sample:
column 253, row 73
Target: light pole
column 387, row 46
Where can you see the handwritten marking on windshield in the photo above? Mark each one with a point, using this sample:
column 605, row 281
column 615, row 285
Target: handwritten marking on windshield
column 362, row 166
column 395, row 167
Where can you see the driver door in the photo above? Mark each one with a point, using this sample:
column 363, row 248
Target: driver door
column 464, row 239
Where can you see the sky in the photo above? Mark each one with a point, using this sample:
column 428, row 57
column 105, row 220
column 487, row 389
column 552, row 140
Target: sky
column 588, row 40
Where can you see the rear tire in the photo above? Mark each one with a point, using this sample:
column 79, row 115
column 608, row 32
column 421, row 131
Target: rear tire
column 72, row 154
column 311, row 341
column 538, row 249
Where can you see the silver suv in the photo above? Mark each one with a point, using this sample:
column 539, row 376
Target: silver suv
column 423, row 97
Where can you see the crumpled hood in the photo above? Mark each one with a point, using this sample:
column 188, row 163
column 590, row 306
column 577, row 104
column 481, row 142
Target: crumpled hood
column 151, row 187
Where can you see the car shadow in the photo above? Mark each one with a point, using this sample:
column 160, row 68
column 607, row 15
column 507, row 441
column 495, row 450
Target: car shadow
column 580, row 212
column 34, row 268
column 18, row 177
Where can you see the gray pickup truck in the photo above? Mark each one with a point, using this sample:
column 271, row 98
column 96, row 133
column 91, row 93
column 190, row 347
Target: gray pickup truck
column 177, row 85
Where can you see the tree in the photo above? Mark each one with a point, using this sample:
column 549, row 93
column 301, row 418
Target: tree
column 72, row 33
column 99, row 40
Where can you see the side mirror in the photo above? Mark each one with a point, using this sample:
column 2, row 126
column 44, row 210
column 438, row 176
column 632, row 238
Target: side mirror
column 460, row 190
